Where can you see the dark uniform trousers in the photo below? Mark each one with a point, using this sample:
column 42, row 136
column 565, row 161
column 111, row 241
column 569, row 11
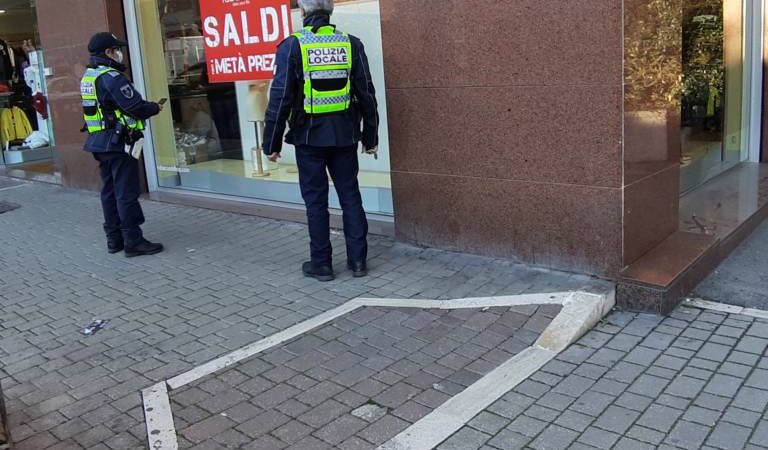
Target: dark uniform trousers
column 342, row 165
column 120, row 196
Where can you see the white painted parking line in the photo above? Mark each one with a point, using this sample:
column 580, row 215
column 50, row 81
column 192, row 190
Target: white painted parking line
column 580, row 312
column 161, row 432
column 558, row 298
column 306, row 326
column 8, row 188
column 264, row 344
column 722, row 307
column 441, row 423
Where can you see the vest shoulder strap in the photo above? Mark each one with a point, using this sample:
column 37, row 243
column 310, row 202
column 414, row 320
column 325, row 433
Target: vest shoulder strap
column 96, row 72
column 318, row 34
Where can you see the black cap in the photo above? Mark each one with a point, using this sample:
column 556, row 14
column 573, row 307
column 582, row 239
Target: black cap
column 101, row 42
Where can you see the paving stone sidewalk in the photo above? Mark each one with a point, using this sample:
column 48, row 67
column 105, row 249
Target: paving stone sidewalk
column 697, row 379
column 741, row 279
column 225, row 281
column 354, row 383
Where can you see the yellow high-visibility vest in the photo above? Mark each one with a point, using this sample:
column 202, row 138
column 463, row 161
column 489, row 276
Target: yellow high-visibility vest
column 92, row 112
column 326, row 57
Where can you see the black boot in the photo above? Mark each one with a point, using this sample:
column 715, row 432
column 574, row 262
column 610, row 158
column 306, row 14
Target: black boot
column 320, row 273
column 115, row 245
column 359, row 269
column 143, row 248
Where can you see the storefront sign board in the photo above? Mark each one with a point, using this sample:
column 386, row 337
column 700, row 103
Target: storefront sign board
column 241, row 37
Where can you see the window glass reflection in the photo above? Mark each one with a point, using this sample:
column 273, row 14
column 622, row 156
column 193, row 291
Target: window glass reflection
column 711, row 88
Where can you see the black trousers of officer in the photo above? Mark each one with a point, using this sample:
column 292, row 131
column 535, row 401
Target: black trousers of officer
column 341, row 163
column 120, row 196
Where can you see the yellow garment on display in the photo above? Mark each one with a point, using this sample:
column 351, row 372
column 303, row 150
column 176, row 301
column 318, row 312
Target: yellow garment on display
column 14, row 125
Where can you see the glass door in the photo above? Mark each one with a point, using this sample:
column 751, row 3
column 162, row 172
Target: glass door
column 713, row 89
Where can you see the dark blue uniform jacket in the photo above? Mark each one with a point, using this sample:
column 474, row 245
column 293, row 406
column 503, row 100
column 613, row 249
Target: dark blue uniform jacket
column 115, row 91
column 327, row 130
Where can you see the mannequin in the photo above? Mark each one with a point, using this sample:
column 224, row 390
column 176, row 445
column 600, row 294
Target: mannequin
column 257, row 99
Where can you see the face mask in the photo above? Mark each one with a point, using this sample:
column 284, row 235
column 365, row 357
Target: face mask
column 118, row 56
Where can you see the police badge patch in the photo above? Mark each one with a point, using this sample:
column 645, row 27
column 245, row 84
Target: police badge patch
column 127, row 91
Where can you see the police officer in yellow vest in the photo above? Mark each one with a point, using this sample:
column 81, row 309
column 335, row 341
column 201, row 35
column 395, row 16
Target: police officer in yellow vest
column 114, row 114
column 322, row 87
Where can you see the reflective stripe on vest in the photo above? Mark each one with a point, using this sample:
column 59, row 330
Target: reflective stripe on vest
column 92, row 111
column 325, row 55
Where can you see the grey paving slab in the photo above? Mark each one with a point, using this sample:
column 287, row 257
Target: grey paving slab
column 686, row 394
column 740, row 279
column 225, row 281
column 332, row 394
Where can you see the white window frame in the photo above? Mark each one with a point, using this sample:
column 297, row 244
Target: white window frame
column 137, row 72
column 756, row 46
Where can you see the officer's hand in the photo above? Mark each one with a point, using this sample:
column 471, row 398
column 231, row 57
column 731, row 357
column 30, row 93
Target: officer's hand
column 372, row 151
column 273, row 156
column 160, row 106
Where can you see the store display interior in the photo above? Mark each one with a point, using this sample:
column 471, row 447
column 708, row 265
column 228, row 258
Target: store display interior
column 216, row 127
column 25, row 129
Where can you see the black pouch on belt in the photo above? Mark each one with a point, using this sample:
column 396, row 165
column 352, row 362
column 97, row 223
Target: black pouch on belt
column 119, row 134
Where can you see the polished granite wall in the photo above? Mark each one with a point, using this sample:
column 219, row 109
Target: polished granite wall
column 506, row 129
column 65, row 27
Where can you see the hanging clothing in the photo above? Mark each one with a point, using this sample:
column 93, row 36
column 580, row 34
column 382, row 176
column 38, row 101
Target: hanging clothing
column 6, row 64
column 40, row 103
column 14, row 125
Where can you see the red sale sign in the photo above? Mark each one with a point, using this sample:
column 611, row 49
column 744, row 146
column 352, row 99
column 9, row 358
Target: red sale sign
column 241, row 37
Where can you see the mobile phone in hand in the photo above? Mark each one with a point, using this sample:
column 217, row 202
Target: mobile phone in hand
column 162, row 101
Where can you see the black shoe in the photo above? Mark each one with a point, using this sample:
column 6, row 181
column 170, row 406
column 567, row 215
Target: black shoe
column 320, row 273
column 115, row 245
column 143, row 248
column 359, row 269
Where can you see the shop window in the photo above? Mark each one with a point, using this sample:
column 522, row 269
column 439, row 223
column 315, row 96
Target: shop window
column 26, row 138
column 209, row 141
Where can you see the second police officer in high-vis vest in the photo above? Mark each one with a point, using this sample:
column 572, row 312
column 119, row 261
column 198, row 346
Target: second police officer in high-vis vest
column 114, row 114
column 322, row 87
